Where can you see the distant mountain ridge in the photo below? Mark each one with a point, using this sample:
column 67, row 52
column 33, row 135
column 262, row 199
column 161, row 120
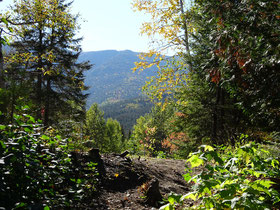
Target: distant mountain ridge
column 111, row 78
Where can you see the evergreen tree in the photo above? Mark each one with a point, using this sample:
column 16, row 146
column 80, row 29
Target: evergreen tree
column 95, row 126
column 49, row 51
column 113, row 136
column 3, row 92
column 236, row 49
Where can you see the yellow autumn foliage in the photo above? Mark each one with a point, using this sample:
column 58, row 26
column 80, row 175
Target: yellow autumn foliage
column 167, row 31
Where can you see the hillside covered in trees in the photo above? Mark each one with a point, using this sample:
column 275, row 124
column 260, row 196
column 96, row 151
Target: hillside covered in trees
column 115, row 87
column 216, row 110
column 111, row 78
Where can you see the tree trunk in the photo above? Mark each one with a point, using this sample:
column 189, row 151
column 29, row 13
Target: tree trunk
column 222, row 111
column 47, row 103
column 39, row 93
column 215, row 116
column 2, row 81
column 39, row 77
column 12, row 107
column 186, row 40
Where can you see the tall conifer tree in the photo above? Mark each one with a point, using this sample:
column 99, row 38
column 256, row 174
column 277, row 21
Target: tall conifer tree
column 50, row 52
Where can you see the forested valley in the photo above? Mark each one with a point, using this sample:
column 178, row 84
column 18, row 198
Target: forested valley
column 210, row 141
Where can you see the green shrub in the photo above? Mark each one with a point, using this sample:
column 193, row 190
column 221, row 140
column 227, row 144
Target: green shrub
column 37, row 170
column 231, row 178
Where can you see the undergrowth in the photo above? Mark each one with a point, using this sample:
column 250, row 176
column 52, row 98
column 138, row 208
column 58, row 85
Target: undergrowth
column 37, row 171
column 244, row 177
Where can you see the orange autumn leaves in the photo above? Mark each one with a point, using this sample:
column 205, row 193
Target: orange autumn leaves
column 169, row 144
column 233, row 56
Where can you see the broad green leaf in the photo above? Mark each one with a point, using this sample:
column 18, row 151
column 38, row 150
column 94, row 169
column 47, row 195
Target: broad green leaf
column 261, row 198
column 195, row 161
column 167, row 207
column 266, row 183
column 206, row 190
column 216, row 157
column 24, row 108
column 207, row 147
column 44, row 137
column 228, row 193
column 32, row 119
column 4, row 20
column 190, row 195
column 265, row 151
column 27, row 130
column 274, row 163
column 209, row 203
column 247, row 158
column 20, row 205
column 174, row 198
column 258, row 174
column 229, row 182
column 187, row 177
column 2, row 127
column 2, row 144
column 262, row 187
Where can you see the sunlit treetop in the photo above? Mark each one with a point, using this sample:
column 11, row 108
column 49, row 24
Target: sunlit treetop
column 166, row 26
column 167, row 29
column 48, row 19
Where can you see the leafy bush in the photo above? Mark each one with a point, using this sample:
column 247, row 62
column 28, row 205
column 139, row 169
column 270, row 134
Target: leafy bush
column 37, row 170
column 239, row 178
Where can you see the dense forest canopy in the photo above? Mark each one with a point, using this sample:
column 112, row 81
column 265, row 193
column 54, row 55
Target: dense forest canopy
column 219, row 95
column 224, row 90
column 228, row 80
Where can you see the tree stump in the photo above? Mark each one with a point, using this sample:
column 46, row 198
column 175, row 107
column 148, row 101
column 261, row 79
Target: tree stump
column 94, row 156
column 153, row 195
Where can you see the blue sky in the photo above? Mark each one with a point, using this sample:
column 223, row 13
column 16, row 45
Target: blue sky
column 107, row 24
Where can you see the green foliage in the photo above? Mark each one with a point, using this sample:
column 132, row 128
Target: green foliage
column 45, row 53
column 230, row 86
column 233, row 178
column 236, row 47
column 4, row 40
column 195, row 102
column 113, row 136
column 37, row 170
column 152, row 131
column 162, row 133
column 106, row 135
column 17, row 92
column 95, row 125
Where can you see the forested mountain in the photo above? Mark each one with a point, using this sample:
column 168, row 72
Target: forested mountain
column 115, row 86
column 111, row 78
column 127, row 111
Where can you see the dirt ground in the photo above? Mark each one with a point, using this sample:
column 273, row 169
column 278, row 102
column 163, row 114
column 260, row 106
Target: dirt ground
column 126, row 180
